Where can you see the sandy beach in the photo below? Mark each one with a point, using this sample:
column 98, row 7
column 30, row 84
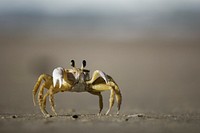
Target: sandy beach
column 140, row 123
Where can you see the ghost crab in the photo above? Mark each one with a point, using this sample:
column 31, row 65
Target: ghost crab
column 75, row 80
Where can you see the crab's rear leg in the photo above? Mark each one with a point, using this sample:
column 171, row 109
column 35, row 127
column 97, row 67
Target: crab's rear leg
column 52, row 91
column 100, row 100
column 36, row 87
column 44, row 104
column 51, row 100
column 117, row 92
column 41, row 101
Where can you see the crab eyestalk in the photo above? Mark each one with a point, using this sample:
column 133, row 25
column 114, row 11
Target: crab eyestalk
column 72, row 63
column 83, row 64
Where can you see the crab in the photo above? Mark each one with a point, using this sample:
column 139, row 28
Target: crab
column 75, row 80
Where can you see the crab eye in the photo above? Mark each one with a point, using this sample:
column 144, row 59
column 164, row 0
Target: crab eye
column 84, row 63
column 72, row 63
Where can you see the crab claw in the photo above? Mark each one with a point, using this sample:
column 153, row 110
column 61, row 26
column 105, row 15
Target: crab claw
column 103, row 75
column 58, row 76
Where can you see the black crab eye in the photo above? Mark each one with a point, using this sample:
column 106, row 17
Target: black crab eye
column 84, row 63
column 72, row 63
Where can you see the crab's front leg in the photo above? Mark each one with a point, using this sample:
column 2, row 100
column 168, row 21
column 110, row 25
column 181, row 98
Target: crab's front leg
column 117, row 93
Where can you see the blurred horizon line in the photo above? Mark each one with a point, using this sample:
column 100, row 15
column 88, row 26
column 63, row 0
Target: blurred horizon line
column 177, row 23
column 96, row 11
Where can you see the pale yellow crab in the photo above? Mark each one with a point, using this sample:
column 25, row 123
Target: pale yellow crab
column 75, row 80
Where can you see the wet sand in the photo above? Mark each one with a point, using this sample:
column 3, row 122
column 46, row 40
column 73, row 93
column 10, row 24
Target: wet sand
column 139, row 123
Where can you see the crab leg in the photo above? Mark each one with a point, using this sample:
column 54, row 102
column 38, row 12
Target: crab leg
column 119, row 100
column 44, row 102
column 104, row 87
column 118, row 94
column 40, row 100
column 47, row 83
column 36, row 87
column 51, row 100
column 114, row 91
column 100, row 100
column 111, row 100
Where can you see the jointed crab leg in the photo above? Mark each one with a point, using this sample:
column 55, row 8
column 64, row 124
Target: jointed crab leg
column 41, row 101
column 47, row 83
column 114, row 90
column 51, row 99
column 109, row 85
column 103, row 87
column 100, row 100
column 36, row 87
column 117, row 92
column 43, row 106
column 54, row 90
column 111, row 100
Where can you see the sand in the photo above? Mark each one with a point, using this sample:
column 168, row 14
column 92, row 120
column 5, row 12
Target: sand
column 138, row 122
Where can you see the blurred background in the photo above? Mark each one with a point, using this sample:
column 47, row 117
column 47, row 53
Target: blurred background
column 150, row 48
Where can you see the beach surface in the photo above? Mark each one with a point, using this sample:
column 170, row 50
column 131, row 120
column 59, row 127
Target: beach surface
column 137, row 122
